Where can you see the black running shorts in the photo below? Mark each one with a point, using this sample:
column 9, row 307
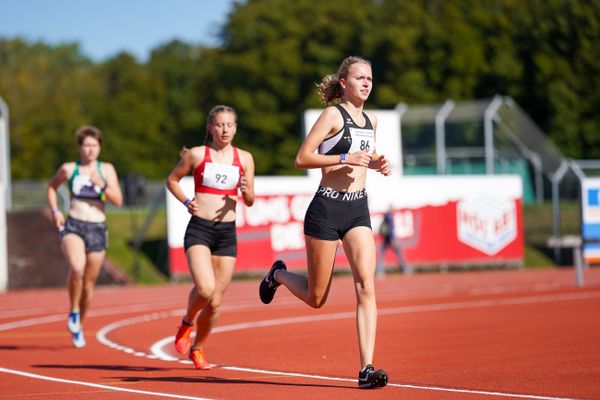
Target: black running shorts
column 219, row 237
column 94, row 234
column 331, row 214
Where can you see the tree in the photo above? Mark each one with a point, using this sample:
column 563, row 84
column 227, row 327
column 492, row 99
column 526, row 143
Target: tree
column 273, row 54
column 132, row 116
column 178, row 67
column 50, row 91
column 543, row 53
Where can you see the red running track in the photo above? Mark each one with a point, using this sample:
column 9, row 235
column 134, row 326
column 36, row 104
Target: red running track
column 467, row 335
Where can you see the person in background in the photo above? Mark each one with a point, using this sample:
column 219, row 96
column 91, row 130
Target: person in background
column 387, row 231
column 84, row 234
column 342, row 144
column 220, row 171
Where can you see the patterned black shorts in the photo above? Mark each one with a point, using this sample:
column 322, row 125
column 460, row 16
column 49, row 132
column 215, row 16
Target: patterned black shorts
column 94, row 234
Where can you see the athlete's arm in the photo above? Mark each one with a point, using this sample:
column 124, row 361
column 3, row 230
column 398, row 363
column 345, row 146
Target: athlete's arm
column 61, row 176
column 247, row 178
column 328, row 122
column 109, row 182
column 183, row 168
column 381, row 164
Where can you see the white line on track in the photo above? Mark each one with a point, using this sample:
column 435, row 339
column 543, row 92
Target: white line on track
column 63, row 317
column 98, row 386
column 158, row 345
column 434, row 388
column 157, row 352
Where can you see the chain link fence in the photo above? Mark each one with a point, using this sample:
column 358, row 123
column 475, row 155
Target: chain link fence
column 32, row 195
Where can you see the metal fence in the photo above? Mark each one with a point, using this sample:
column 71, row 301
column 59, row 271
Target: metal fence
column 32, row 194
column 487, row 136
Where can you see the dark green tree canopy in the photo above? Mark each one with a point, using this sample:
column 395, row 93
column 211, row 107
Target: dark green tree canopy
column 543, row 53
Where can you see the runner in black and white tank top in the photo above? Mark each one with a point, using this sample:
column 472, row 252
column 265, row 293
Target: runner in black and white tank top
column 351, row 137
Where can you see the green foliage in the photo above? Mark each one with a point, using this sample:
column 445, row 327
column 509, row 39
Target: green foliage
column 280, row 50
column 543, row 53
column 132, row 114
column 123, row 227
column 42, row 86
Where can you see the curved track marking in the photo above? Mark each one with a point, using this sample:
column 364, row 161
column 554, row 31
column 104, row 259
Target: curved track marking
column 156, row 350
column 388, row 311
column 63, row 317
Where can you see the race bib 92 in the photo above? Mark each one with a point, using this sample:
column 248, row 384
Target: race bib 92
column 218, row 176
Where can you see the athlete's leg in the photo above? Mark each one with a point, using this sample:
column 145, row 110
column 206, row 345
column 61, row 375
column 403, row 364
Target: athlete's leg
column 73, row 249
column 203, row 276
column 223, row 271
column 359, row 246
column 313, row 288
column 93, row 265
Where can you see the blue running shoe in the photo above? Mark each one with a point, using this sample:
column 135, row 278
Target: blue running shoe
column 74, row 323
column 78, row 340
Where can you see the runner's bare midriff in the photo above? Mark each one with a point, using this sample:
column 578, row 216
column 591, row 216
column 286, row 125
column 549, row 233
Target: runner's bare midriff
column 87, row 210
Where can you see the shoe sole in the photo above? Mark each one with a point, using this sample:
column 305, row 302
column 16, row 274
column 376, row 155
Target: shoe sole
column 78, row 344
column 380, row 380
column 204, row 368
column 265, row 293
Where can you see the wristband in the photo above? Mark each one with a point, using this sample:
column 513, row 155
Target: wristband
column 342, row 158
column 186, row 202
column 55, row 210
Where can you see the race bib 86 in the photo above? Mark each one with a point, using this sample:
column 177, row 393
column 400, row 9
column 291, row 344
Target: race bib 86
column 362, row 140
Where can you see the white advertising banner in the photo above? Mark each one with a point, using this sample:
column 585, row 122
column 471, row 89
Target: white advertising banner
column 439, row 219
column 590, row 215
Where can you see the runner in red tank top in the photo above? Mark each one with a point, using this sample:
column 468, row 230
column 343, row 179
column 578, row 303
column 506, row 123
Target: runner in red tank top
column 220, row 171
column 218, row 178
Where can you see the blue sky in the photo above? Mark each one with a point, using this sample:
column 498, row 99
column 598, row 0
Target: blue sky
column 105, row 27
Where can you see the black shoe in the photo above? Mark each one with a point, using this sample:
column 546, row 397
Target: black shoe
column 269, row 285
column 368, row 378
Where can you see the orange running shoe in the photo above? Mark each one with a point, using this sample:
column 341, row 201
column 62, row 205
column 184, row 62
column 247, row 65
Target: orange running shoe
column 182, row 339
column 199, row 358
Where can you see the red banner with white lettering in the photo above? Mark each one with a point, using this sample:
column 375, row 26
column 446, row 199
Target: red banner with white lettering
column 479, row 227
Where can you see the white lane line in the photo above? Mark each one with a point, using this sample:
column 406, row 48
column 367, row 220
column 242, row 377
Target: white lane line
column 122, row 310
column 489, row 303
column 434, row 388
column 63, row 317
column 157, row 352
column 157, row 348
column 396, row 310
column 98, row 386
column 24, row 311
column 102, row 333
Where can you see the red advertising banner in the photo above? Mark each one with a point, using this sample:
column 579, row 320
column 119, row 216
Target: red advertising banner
column 483, row 225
